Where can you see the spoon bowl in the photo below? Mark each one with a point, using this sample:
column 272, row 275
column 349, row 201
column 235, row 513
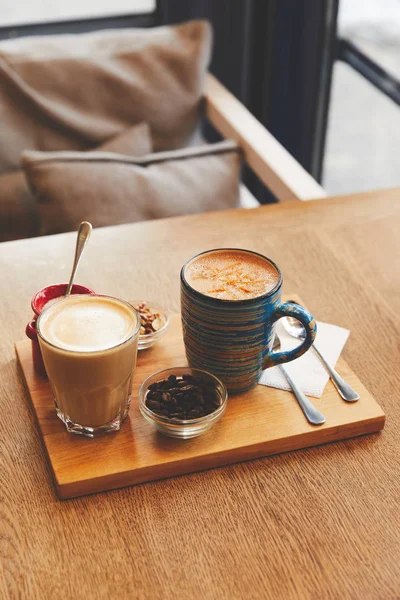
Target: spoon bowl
column 293, row 327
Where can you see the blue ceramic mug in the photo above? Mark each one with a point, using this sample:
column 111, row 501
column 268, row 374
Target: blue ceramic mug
column 233, row 338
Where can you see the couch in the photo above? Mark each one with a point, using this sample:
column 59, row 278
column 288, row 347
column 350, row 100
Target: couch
column 158, row 76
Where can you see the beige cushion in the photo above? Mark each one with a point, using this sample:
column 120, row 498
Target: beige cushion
column 108, row 189
column 71, row 92
column 19, row 216
column 134, row 141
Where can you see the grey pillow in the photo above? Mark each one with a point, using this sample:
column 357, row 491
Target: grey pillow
column 71, row 92
column 108, row 189
column 19, row 217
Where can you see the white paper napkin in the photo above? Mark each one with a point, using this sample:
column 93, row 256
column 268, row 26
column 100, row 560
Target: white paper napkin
column 308, row 371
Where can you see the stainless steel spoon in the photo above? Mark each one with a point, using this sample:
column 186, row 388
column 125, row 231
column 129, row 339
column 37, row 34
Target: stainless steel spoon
column 312, row 415
column 296, row 329
column 84, row 231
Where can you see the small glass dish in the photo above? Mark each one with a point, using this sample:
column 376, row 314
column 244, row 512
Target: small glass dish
column 180, row 428
column 149, row 339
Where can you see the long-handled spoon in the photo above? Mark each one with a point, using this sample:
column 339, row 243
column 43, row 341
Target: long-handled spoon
column 312, row 415
column 296, row 329
column 84, row 231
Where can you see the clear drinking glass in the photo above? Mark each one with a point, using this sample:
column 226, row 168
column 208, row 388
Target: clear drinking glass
column 91, row 388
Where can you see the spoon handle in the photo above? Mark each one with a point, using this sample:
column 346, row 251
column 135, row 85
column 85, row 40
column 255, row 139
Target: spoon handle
column 344, row 389
column 84, row 232
column 312, row 415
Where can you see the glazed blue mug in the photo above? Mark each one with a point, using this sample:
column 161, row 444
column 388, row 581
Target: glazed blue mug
column 230, row 301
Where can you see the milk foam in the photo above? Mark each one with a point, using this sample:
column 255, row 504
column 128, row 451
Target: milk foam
column 85, row 323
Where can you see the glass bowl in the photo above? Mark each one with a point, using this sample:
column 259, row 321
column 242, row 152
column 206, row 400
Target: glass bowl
column 181, row 428
column 148, row 340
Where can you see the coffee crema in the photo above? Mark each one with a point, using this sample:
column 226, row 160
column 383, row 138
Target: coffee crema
column 84, row 323
column 231, row 275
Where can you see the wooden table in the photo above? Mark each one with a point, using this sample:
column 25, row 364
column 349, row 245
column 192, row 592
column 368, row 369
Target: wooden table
column 319, row 523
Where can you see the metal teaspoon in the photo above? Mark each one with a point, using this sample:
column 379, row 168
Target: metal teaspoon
column 312, row 415
column 84, row 231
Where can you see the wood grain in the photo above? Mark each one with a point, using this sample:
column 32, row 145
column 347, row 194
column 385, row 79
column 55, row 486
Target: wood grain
column 316, row 523
column 258, row 423
column 273, row 164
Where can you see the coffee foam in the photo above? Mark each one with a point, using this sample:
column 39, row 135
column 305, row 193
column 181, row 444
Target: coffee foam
column 85, row 323
column 231, row 275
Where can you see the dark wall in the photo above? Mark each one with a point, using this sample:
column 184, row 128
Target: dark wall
column 233, row 24
column 276, row 56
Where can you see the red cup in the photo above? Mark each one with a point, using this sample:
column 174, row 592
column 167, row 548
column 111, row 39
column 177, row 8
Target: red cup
column 57, row 290
column 37, row 359
column 38, row 303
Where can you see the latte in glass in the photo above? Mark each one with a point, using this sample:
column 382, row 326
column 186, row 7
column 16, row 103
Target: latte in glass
column 89, row 348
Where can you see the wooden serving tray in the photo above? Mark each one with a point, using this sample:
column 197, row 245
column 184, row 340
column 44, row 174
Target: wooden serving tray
column 258, row 423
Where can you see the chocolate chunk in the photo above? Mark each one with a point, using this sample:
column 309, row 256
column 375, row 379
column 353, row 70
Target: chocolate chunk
column 153, row 405
column 166, row 397
column 185, row 397
column 194, row 413
column 188, row 388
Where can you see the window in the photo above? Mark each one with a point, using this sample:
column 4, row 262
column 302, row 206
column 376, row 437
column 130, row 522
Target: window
column 40, row 11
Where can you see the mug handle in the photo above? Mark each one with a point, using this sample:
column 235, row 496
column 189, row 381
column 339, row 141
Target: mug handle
column 289, row 309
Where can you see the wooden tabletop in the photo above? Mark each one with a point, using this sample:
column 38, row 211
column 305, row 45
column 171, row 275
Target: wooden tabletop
column 318, row 523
